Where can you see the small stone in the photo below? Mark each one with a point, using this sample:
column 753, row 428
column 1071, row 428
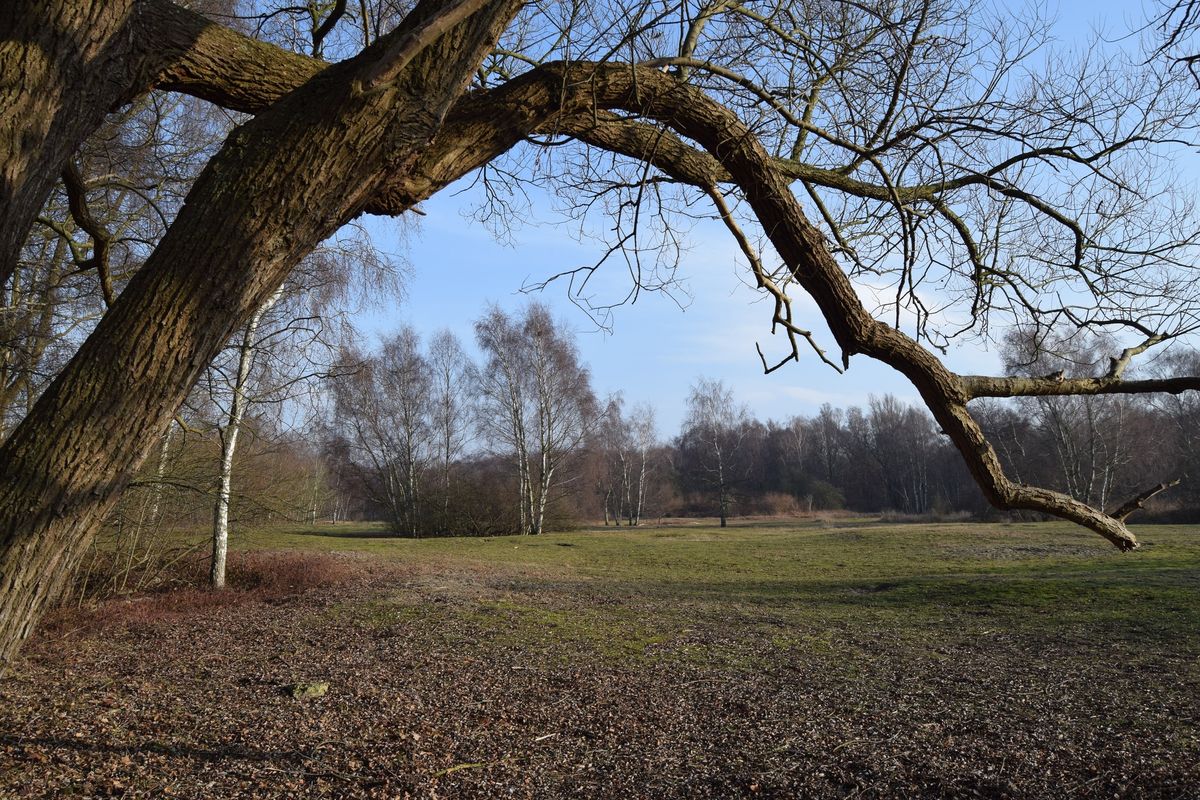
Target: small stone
column 304, row 691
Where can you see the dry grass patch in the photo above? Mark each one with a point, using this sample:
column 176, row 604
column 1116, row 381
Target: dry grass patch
column 252, row 577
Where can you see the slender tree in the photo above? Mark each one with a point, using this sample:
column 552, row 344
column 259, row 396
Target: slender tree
column 229, row 433
column 614, row 443
column 537, row 404
column 450, row 414
column 644, row 437
column 714, row 438
column 505, row 407
column 385, row 414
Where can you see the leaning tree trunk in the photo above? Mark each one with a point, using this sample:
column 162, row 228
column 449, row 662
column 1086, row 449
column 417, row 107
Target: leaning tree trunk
column 66, row 63
column 282, row 183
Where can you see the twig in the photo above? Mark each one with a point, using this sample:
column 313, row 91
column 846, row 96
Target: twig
column 469, row 765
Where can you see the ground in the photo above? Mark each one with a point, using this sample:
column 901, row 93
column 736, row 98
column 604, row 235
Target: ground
column 816, row 659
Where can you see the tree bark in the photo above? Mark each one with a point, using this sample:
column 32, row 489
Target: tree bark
column 63, row 65
column 282, row 183
column 164, row 452
column 1138, row 502
column 641, row 490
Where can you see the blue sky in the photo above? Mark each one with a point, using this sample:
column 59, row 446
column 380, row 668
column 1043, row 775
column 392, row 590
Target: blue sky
column 654, row 350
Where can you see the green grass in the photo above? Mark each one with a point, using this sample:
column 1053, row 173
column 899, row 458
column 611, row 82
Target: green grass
column 622, row 593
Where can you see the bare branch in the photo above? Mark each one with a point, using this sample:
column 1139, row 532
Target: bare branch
column 783, row 304
column 101, row 239
column 404, row 49
column 318, row 37
column 1123, row 511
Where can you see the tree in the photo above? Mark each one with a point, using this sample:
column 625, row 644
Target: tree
column 902, row 444
column 536, row 402
column 280, row 355
column 643, row 439
column 450, row 412
column 714, row 441
column 612, row 446
column 383, row 408
column 229, row 433
column 909, row 130
column 622, row 451
column 114, row 196
column 504, row 404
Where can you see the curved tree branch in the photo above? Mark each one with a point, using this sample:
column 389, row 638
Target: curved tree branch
column 212, row 62
column 766, row 188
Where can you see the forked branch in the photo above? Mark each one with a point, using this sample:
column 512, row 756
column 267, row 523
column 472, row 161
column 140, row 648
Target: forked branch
column 1136, row 503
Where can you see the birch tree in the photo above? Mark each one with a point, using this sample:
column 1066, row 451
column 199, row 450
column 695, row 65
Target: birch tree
column 451, row 403
column 536, row 403
column 644, row 438
column 229, row 433
column 625, row 444
column 505, row 408
column 613, row 441
column 383, row 410
column 714, row 432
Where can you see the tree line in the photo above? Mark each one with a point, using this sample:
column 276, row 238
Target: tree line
column 420, row 435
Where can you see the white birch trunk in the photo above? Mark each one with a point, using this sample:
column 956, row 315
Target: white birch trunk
column 641, row 491
column 237, row 411
column 163, row 452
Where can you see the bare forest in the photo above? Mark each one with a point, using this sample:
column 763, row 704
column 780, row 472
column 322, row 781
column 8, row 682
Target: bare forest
column 420, row 436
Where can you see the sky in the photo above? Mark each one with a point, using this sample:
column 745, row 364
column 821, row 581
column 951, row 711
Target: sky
column 654, row 350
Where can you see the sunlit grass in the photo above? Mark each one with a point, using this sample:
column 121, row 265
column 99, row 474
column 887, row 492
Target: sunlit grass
column 914, row 581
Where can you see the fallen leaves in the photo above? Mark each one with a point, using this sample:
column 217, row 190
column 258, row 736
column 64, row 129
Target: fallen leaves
column 446, row 702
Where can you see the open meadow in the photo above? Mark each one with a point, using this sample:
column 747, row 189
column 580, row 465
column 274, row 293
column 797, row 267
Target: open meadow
column 804, row 659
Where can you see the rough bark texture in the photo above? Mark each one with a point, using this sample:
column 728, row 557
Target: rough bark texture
column 1137, row 502
column 1019, row 386
column 220, row 65
column 281, row 184
column 63, row 65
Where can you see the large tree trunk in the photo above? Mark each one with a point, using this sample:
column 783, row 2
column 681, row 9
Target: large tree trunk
column 282, row 183
column 64, row 63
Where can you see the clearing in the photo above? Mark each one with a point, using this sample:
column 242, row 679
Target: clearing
column 766, row 660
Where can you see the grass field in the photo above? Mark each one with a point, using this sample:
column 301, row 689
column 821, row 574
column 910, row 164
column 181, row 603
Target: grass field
column 928, row 579
column 822, row 659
